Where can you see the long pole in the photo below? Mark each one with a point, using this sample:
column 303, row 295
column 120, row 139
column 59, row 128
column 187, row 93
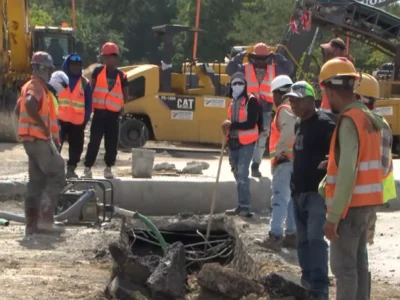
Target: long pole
column 73, row 15
column 214, row 195
column 196, row 33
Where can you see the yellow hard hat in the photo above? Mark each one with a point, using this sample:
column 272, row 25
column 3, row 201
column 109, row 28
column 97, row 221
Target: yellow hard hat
column 367, row 86
column 335, row 67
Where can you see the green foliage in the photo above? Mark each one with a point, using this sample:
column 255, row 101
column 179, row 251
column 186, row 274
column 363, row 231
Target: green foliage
column 226, row 23
column 39, row 17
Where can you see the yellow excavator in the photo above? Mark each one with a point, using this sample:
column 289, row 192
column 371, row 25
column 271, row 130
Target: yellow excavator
column 18, row 42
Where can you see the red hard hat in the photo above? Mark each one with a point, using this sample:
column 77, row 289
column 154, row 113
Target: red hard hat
column 261, row 49
column 109, row 48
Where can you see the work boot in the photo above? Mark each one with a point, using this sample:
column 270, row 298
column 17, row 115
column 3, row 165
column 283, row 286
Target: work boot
column 255, row 172
column 290, row 241
column 87, row 173
column 71, row 173
column 46, row 222
column 239, row 211
column 31, row 221
column 108, row 174
column 272, row 242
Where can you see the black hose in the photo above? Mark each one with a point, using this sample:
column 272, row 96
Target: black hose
column 73, row 210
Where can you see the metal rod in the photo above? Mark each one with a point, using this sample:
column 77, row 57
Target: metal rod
column 73, row 14
column 214, row 196
column 196, row 33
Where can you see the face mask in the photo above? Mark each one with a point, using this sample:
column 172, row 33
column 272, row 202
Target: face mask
column 237, row 90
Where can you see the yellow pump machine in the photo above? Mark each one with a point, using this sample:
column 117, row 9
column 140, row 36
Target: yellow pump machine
column 18, row 42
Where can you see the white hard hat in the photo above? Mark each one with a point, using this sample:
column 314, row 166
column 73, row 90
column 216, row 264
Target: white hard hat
column 59, row 81
column 281, row 81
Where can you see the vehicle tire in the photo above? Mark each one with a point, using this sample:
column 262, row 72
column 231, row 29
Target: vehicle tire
column 133, row 134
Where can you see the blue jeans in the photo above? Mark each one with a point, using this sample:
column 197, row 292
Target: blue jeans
column 282, row 205
column 240, row 162
column 262, row 139
column 312, row 249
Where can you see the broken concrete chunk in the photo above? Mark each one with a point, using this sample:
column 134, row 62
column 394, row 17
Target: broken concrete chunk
column 169, row 278
column 164, row 167
column 203, row 164
column 227, row 281
column 119, row 290
column 134, row 269
column 192, row 169
column 284, row 284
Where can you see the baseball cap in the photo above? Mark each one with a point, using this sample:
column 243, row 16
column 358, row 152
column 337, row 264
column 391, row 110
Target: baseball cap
column 336, row 42
column 300, row 89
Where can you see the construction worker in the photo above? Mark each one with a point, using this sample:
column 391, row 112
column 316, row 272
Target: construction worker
column 75, row 109
column 335, row 48
column 262, row 68
column 353, row 187
column 281, row 150
column 39, row 132
column 367, row 92
column 58, row 82
column 242, row 132
column 313, row 133
column 110, row 91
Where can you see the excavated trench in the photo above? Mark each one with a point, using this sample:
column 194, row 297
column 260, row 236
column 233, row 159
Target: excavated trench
column 219, row 248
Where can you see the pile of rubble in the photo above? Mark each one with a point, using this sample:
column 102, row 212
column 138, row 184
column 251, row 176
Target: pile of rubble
column 163, row 278
column 192, row 167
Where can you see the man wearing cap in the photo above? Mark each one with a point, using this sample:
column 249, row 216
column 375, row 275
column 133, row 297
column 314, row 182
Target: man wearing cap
column 335, row 48
column 39, row 132
column 75, row 107
column 313, row 136
column 353, row 186
column 262, row 68
column 110, row 91
column 281, row 152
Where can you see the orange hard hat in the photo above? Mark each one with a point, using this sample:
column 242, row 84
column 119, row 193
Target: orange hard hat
column 260, row 49
column 109, row 48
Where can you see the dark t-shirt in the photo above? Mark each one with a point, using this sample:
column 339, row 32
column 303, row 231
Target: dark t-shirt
column 313, row 137
column 111, row 77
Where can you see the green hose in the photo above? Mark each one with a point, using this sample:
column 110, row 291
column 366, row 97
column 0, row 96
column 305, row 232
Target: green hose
column 4, row 222
column 153, row 229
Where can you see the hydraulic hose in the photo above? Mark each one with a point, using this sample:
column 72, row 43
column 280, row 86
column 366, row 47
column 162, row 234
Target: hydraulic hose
column 147, row 222
column 73, row 210
column 4, row 222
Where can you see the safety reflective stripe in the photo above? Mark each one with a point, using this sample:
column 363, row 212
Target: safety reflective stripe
column 108, row 102
column 252, row 84
column 24, row 114
column 103, row 90
column 247, row 132
column 75, row 104
column 363, row 166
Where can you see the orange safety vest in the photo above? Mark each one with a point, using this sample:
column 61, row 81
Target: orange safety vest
column 103, row 98
column 325, row 107
column 71, row 105
column 263, row 90
column 245, row 136
column 368, row 189
column 28, row 127
column 275, row 136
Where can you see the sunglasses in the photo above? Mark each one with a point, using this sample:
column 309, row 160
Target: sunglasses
column 75, row 58
column 238, row 83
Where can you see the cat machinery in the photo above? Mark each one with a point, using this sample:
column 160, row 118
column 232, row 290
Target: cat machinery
column 186, row 103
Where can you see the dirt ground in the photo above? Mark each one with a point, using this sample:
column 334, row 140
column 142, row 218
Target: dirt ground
column 72, row 266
